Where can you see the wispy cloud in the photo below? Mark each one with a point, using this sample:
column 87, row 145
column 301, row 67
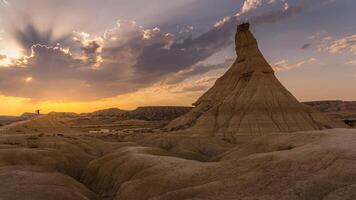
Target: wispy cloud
column 5, row 2
column 199, row 69
column 284, row 65
column 351, row 62
column 2, row 57
column 345, row 44
column 317, row 35
column 250, row 5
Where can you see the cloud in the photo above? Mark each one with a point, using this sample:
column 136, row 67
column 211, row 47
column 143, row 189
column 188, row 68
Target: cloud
column 272, row 15
column 250, row 5
column 284, row 65
column 305, row 46
column 194, row 86
column 126, row 62
column 90, row 48
column 2, row 57
column 124, row 59
column 351, row 62
column 317, row 34
column 275, row 16
column 345, row 44
column 31, row 35
column 195, row 70
column 5, row 2
column 1, row 32
column 183, row 54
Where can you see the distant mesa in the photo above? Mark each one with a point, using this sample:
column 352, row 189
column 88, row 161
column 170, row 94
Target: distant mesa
column 147, row 113
column 158, row 113
column 333, row 106
column 249, row 99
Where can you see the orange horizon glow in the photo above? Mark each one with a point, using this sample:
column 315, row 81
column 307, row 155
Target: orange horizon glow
column 15, row 106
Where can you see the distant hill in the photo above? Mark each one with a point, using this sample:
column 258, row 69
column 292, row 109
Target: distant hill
column 63, row 114
column 333, row 106
column 11, row 119
column 149, row 113
column 110, row 112
column 345, row 110
column 8, row 118
column 157, row 113
column 113, row 115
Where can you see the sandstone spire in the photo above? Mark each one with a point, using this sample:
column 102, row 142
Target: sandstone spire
column 249, row 99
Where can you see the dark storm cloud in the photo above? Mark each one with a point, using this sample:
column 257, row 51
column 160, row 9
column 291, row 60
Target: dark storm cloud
column 305, row 46
column 91, row 48
column 186, row 53
column 192, row 50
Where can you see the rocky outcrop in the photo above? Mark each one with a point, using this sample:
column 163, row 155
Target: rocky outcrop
column 249, row 99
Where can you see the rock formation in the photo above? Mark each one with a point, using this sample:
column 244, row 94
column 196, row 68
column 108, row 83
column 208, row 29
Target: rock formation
column 249, row 99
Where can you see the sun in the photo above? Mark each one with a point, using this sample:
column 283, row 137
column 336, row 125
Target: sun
column 28, row 79
column 10, row 54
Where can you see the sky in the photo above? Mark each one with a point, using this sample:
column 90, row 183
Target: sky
column 85, row 55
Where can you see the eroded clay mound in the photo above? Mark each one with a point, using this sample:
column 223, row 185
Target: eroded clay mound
column 43, row 124
column 316, row 165
column 36, row 183
column 249, row 99
column 303, row 165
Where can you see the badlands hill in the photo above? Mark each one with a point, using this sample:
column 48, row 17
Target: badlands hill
column 249, row 100
column 303, row 166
